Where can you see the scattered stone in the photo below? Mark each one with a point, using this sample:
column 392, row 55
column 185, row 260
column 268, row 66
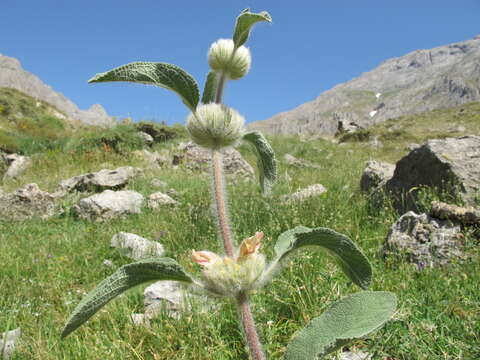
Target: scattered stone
column 147, row 138
column 108, row 263
column 304, row 194
column 174, row 298
column 355, row 355
column 27, row 202
column 292, row 160
column 17, row 164
column 8, row 341
column 101, row 180
column 464, row 215
column 375, row 175
column 158, row 183
column 135, row 247
column 159, row 199
column 451, row 165
column 197, row 158
column 425, row 240
column 154, row 158
column 109, row 204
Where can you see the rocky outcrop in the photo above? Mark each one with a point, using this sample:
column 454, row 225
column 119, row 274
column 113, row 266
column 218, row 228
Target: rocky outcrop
column 27, row 202
column 108, row 205
column 425, row 241
column 12, row 75
column 104, row 179
column 420, row 81
column 159, row 199
column 451, row 165
column 463, row 215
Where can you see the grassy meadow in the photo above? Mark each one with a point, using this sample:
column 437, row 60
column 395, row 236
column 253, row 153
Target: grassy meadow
column 46, row 266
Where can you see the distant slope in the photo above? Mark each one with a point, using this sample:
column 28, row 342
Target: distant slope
column 12, row 75
column 419, row 81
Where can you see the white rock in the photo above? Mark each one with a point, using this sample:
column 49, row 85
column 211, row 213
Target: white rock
column 109, row 204
column 158, row 183
column 17, row 165
column 372, row 113
column 377, row 95
column 136, row 247
column 355, row 355
column 146, row 137
column 8, row 341
column 158, row 199
column 304, row 194
column 108, row 263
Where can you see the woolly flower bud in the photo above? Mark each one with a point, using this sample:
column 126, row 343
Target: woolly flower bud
column 215, row 126
column 220, row 58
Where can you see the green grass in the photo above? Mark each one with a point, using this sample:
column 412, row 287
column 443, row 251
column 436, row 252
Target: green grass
column 47, row 266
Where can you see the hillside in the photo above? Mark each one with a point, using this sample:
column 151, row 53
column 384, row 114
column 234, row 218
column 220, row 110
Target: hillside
column 12, row 75
column 420, row 81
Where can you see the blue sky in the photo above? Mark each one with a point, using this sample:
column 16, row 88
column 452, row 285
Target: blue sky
column 310, row 47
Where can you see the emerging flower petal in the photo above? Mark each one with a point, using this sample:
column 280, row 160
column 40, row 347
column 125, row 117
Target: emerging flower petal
column 250, row 245
column 205, row 258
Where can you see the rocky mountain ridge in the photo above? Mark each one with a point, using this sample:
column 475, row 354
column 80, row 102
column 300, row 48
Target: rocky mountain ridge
column 12, row 75
column 419, row 81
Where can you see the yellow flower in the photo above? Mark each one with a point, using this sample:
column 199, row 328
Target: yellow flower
column 227, row 276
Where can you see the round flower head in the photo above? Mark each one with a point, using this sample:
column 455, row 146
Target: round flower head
column 221, row 57
column 215, row 126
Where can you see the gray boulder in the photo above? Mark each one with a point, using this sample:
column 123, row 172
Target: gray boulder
column 198, row 158
column 426, row 241
column 109, row 204
column 101, row 180
column 136, row 247
column 375, row 175
column 306, row 193
column 451, row 165
column 8, row 341
column 27, row 202
column 147, row 138
column 17, row 164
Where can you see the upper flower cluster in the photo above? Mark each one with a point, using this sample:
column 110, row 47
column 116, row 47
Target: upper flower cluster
column 228, row 276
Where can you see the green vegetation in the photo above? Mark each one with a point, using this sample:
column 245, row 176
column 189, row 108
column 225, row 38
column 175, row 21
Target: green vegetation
column 48, row 266
column 397, row 134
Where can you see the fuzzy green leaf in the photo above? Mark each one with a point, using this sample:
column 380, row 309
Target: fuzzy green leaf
column 210, row 89
column 244, row 24
column 352, row 317
column 123, row 279
column 165, row 75
column 352, row 261
column 266, row 163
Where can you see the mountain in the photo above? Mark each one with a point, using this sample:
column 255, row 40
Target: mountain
column 12, row 75
column 420, row 81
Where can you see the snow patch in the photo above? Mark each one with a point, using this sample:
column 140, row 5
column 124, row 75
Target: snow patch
column 372, row 113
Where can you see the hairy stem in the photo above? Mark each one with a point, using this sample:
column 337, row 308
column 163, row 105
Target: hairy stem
column 221, row 202
column 220, row 86
column 248, row 323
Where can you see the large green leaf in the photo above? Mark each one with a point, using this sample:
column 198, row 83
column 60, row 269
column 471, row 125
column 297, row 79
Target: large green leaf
column 266, row 163
column 352, row 317
column 165, row 75
column 210, row 90
column 352, row 261
column 244, row 24
column 123, row 279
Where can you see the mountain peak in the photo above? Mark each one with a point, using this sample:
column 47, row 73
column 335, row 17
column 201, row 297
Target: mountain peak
column 12, row 75
column 422, row 80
